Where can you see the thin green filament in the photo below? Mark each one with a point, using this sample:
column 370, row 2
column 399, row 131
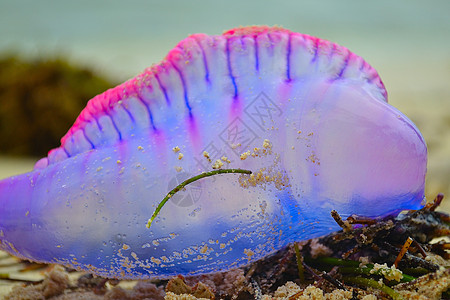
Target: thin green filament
column 188, row 181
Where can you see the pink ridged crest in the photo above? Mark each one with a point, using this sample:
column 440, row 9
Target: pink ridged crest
column 191, row 64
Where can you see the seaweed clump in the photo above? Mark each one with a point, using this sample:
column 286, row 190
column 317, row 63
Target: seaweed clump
column 389, row 258
column 39, row 100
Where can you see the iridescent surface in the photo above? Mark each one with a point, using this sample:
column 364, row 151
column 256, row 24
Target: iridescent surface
column 306, row 116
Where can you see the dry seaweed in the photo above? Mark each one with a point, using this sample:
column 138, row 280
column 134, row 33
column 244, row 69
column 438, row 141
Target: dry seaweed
column 360, row 255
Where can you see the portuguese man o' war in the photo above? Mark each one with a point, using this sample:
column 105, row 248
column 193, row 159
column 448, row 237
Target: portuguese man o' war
column 307, row 117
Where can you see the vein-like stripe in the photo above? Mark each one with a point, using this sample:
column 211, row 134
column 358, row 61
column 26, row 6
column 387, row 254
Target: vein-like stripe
column 185, row 92
column 205, row 62
column 230, row 71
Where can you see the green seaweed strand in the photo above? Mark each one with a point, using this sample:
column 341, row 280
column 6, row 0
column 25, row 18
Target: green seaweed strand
column 301, row 272
column 188, row 181
column 351, row 266
column 374, row 284
column 369, row 271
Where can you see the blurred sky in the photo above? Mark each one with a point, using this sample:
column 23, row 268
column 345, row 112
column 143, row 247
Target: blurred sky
column 407, row 41
column 121, row 38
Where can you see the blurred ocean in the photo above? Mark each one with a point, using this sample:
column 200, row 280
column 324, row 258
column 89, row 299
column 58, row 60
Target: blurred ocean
column 407, row 41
